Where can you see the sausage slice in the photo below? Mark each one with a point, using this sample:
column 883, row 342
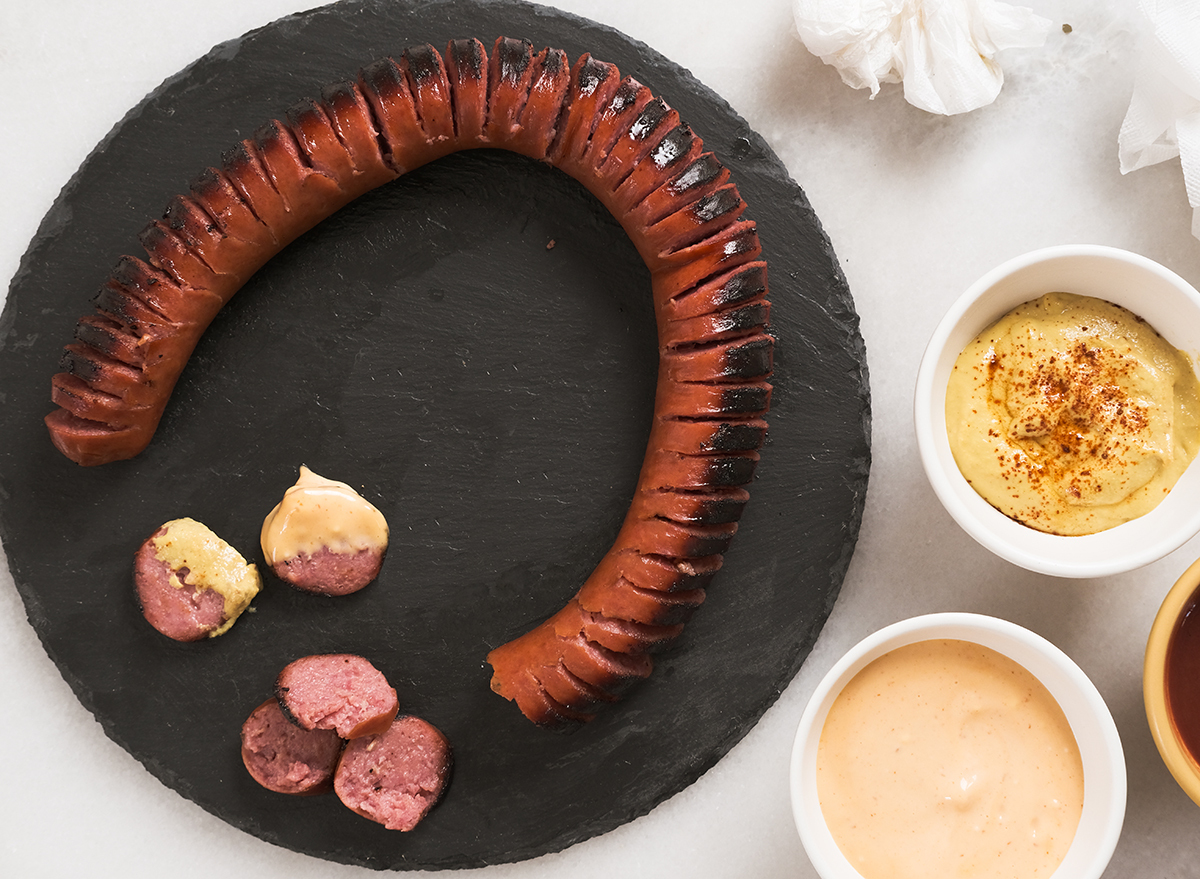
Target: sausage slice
column 338, row 691
column 396, row 777
column 324, row 537
column 286, row 759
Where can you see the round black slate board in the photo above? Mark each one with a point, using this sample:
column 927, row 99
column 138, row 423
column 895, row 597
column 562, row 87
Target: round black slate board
column 491, row 393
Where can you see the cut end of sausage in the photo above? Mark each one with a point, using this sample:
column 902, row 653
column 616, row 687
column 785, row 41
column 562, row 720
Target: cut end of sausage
column 396, row 777
column 91, row 443
column 338, row 691
column 286, row 759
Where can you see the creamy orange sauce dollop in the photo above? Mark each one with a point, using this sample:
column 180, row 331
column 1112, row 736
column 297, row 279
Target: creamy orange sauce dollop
column 318, row 512
column 946, row 758
column 1072, row 415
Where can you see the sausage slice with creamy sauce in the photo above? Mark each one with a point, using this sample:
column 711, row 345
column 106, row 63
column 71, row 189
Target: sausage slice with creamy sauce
column 324, row 537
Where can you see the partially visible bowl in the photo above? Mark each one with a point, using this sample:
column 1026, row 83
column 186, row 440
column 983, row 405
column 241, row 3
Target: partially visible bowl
column 1179, row 603
column 1156, row 294
column 1095, row 733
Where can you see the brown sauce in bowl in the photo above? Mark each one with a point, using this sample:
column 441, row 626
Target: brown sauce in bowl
column 1182, row 678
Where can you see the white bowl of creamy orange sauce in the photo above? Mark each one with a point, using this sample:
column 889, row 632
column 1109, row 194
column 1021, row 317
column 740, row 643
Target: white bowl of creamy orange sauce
column 957, row 745
column 1057, row 411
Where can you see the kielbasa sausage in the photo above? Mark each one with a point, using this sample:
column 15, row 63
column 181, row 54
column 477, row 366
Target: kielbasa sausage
column 629, row 148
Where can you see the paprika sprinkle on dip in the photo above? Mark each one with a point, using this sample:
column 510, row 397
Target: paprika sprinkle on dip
column 1072, row 415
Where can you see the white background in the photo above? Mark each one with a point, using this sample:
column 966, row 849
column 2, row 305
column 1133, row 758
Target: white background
column 917, row 207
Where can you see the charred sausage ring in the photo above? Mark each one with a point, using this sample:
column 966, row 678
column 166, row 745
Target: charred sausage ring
column 629, row 149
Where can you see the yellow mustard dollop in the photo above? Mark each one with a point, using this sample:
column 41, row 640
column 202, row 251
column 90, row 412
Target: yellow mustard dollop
column 211, row 563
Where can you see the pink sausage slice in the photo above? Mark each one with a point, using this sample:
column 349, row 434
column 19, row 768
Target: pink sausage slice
column 182, row 613
column 286, row 759
column 327, row 572
column 395, row 778
column 338, row 691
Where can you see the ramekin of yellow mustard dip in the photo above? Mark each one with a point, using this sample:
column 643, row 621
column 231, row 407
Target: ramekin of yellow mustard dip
column 1072, row 415
column 957, row 744
column 1056, row 411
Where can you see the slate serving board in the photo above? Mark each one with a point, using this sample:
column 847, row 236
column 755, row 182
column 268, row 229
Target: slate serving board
column 474, row 346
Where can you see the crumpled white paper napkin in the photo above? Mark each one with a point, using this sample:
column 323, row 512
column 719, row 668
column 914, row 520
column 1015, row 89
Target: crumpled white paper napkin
column 942, row 50
column 1163, row 120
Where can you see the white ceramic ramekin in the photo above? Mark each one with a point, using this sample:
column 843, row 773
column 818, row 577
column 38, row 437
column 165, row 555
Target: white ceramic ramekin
column 1099, row 744
column 1156, row 294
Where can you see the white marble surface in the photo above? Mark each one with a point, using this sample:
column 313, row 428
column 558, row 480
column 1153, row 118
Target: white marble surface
column 917, row 207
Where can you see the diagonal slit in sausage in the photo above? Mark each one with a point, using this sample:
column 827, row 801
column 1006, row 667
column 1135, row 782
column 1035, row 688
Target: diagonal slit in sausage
column 674, row 199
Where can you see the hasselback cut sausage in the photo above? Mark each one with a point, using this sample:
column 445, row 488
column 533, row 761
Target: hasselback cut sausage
column 629, row 148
